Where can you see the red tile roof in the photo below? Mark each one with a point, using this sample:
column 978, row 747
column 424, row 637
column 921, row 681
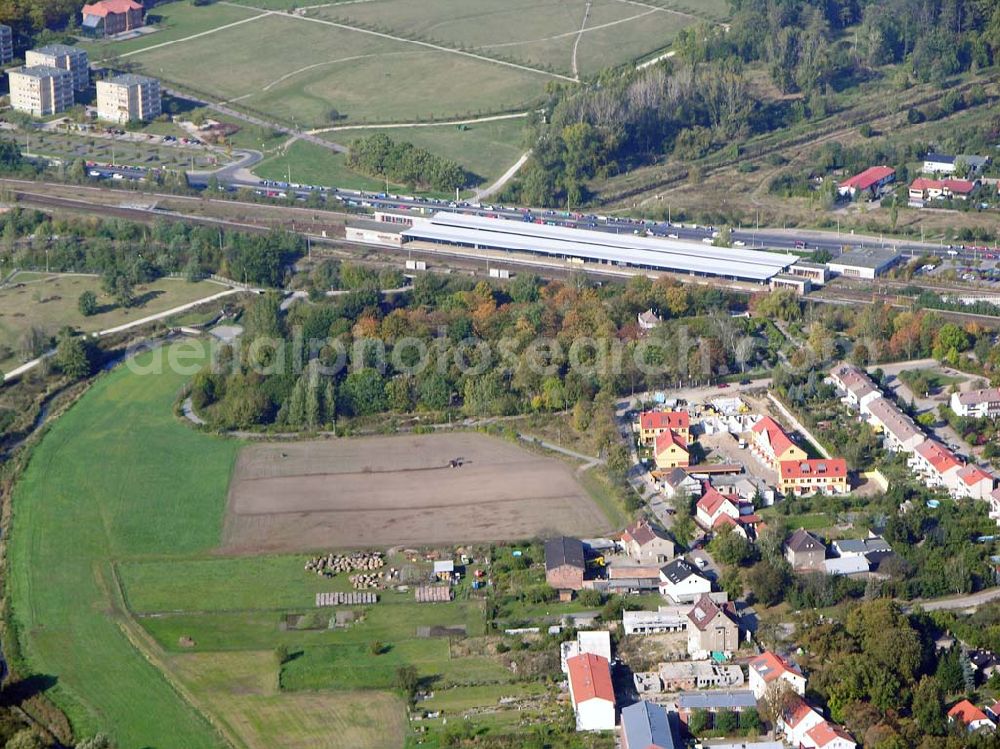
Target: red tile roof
column 957, row 186
column 966, row 712
column 796, row 710
column 799, row 469
column 823, row 733
column 711, row 501
column 103, row 7
column 775, row 435
column 668, row 438
column 770, row 666
column 590, row 676
column 664, row 420
column 972, row 475
column 868, row 177
column 940, row 458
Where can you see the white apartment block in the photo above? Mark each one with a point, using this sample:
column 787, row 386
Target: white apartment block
column 40, row 90
column 6, row 44
column 62, row 56
column 127, row 98
column 977, row 404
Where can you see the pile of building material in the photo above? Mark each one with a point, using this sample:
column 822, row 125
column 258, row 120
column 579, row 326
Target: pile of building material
column 333, row 563
column 337, row 598
column 365, row 581
column 433, row 593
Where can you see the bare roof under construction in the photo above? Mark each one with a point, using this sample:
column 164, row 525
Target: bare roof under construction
column 598, row 246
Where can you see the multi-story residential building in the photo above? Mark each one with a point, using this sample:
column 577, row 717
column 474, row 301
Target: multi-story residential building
column 110, row 17
column 977, row 404
column 73, row 59
column 858, row 388
column 654, row 423
column 128, row 98
column 6, row 44
column 646, row 544
column 769, row 668
column 670, row 450
column 935, row 463
column 971, row 482
column 41, row 90
column 813, row 476
column 712, row 628
column 900, row 432
column 770, row 443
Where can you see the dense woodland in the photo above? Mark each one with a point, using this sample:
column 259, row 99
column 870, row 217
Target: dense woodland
column 705, row 98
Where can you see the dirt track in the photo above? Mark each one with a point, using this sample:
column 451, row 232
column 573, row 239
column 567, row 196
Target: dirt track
column 384, row 491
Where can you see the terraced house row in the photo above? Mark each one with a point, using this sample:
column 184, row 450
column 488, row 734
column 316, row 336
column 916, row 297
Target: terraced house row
column 931, row 461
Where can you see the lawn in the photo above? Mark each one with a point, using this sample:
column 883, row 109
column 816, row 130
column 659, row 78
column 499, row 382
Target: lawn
column 364, row 77
column 309, row 164
column 160, row 489
column 486, row 149
column 240, row 690
column 52, row 301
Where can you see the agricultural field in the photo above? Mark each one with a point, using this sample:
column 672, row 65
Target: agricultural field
column 146, row 631
column 307, row 495
column 53, row 303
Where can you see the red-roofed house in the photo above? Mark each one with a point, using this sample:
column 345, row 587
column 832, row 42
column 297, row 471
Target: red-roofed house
column 871, row 182
column 828, row 735
column 768, row 668
column 804, row 477
column 110, row 17
column 712, row 505
column 592, row 693
column 922, row 189
column 972, row 482
column 653, row 423
column 797, row 719
column 973, row 718
column 770, row 443
column 935, row 463
column 670, row 451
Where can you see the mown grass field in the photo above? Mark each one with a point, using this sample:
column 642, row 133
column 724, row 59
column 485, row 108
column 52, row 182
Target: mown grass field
column 242, row 689
column 309, row 164
column 160, row 488
column 50, row 303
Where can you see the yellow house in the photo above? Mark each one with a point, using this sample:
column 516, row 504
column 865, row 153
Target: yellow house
column 818, row 476
column 654, row 423
column 769, row 441
column 670, row 451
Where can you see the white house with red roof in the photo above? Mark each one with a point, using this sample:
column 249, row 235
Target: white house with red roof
column 713, row 504
column 591, row 692
column 871, row 182
column 971, row 716
column 935, row 463
column 827, row 735
column 922, row 189
column 769, row 668
column 971, row 482
column 805, row 727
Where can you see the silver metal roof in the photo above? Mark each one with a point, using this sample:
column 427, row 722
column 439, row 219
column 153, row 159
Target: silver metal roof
column 625, row 249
